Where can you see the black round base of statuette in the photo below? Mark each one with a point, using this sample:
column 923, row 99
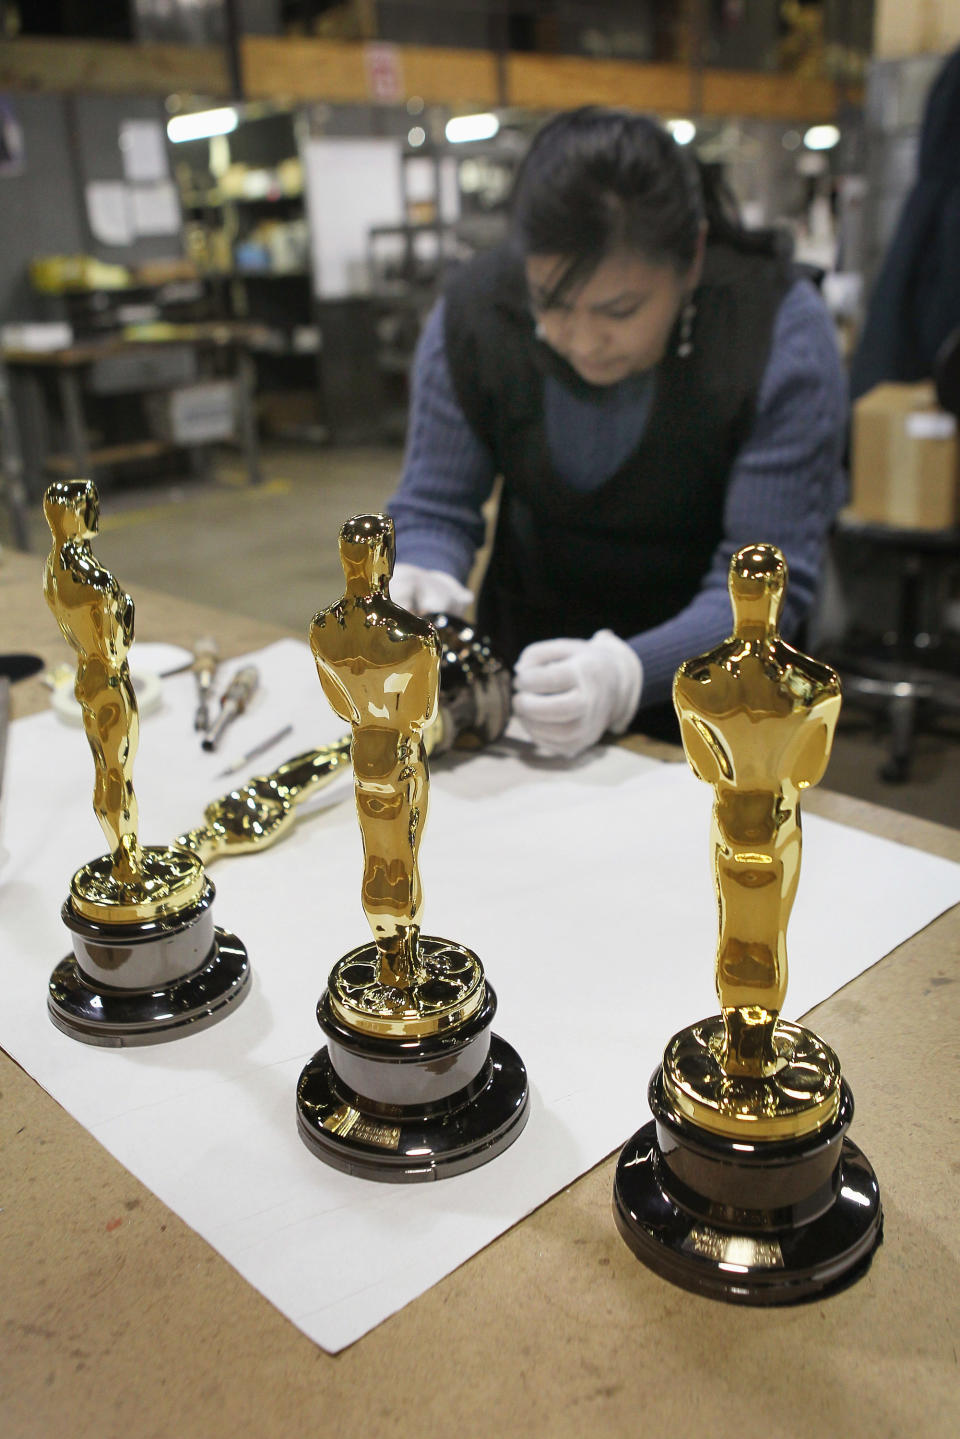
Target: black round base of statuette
column 146, row 983
column 404, row 1111
column 774, row 1222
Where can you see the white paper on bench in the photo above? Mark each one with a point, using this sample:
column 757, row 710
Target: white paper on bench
column 585, row 889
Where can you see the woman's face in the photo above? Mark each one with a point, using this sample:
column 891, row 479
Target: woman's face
column 617, row 323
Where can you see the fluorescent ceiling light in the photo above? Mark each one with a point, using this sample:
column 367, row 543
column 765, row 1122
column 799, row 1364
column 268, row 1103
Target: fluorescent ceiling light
column 202, row 124
column 683, row 131
column 821, row 137
column 471, row 127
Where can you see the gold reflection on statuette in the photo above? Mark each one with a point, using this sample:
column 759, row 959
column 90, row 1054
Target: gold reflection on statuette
column 757, row 719
column 380, row 669
column 473, row 710
column 96, row 619
column 258, row 813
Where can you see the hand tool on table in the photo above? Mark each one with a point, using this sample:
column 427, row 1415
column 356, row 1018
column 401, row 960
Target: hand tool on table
column 242, row 760
column 206, row 655
column 233, row 702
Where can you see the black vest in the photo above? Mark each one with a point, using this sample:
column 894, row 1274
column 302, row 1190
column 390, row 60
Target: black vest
column 631, row 554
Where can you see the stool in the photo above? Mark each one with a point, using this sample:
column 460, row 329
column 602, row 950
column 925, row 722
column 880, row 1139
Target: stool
column 911, row 669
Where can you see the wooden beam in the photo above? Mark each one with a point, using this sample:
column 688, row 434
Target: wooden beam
column 112, row 67
column 762, row 96
column 550, row 82
column 461, row 78
column 275, row 68
column 555, row 82
column 297, row 69
column 338, row 70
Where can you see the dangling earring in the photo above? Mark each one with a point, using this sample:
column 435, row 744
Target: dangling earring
column 687, row 316
column 538, row 330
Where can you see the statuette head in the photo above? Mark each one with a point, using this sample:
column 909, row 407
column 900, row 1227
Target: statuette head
column 367, row 550
column 72, row 509
column 757, row 583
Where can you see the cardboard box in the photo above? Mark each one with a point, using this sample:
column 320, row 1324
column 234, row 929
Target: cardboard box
column 196, row 414
column 927, row 27
column 906, row 459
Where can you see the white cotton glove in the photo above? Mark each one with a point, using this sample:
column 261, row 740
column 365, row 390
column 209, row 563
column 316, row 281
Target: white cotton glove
column 428, row 592
column 567, row 693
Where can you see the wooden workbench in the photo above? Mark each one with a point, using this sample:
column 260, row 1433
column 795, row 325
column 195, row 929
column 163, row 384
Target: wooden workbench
column 68, row 364
column 118, row 1320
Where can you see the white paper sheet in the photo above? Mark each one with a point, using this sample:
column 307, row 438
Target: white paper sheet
column 351, row 185
column 144, row 149
column 108, row 212
column 155, row 209
column 573, row 882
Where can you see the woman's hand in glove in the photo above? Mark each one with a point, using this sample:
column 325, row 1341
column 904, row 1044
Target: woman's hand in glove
column 567, row 693
column 428, row 591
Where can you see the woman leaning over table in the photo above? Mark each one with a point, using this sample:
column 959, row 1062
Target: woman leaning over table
column 657, row 387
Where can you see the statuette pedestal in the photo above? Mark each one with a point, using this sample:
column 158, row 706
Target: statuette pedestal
column 403, row 1108
column 134, row 981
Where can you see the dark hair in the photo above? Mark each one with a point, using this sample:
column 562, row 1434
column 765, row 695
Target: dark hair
column 596, row 180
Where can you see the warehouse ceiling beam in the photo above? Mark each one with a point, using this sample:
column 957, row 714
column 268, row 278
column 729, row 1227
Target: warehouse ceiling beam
column 552, row 82
column 298, row 69
column 762, row 96
column 334, row 70
column 112, row 67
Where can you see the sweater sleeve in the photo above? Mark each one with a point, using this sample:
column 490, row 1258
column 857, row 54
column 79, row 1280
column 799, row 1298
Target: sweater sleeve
column 786, row 487
column 448, row 472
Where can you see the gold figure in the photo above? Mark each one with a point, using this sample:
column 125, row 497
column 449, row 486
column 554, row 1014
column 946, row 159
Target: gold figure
column 757, row 720
column 473, row 711
column 380, row 670
column 96, row 618
column 257, row 814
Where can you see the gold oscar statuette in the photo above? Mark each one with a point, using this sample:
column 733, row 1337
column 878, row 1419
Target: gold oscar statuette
column 758, row 1194
column 412, row 1084
column 148, row 963
column 473, row 710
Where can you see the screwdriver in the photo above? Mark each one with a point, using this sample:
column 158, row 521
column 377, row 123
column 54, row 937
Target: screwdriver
column 233, row 702
column 204, row 667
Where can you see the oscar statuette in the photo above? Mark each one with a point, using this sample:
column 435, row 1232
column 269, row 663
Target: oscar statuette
column 745, row 1185
column 147, row 962
column 474, row 707
column 411, row 1085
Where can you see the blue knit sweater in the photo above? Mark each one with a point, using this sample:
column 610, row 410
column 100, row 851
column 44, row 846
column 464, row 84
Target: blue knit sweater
column 786, row 485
